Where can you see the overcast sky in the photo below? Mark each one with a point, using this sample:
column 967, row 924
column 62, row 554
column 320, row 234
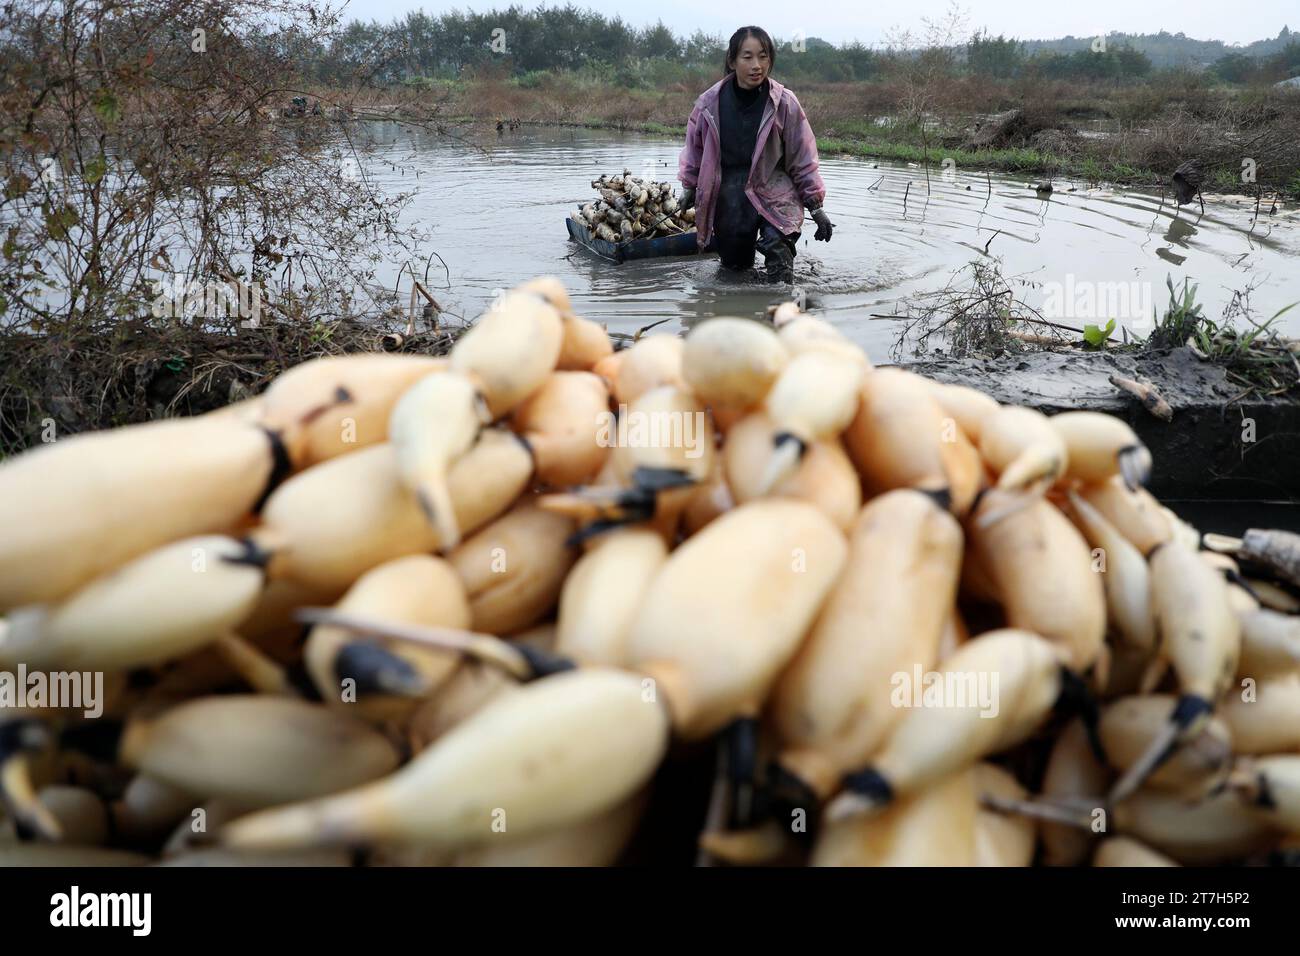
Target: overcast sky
column 840, row 22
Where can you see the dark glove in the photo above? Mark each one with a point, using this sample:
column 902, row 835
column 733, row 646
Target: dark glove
column 687, row 199
column 824, row 225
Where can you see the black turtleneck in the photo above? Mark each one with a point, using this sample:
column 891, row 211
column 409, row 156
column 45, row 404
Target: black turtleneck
column 747, row 97
column 741, row 113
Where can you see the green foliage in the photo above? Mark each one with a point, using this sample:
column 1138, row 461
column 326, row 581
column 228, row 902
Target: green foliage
column 1234, row 67
column 58, row 220
column 568, row 38
column 994, row 56
column 1095, row 336
column 663, row 129
column 1285, row 63
column 1091, row 170
column 107, row 106
column 95, row 170
column 1167, row 49
column 17, row 186
column 548, row 39
column 1183, row 318
column 1116, row 63
column 531, row 80
column 1251, row 352
column 598, row 72
column 658, row 41
column 1225, row 179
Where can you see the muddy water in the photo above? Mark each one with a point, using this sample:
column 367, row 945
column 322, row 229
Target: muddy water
column 1086, row 254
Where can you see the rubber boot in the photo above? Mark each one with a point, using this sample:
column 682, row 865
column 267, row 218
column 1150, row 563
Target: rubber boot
column 778, row 253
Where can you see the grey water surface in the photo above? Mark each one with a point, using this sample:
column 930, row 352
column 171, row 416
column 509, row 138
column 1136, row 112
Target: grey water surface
column 496, row 216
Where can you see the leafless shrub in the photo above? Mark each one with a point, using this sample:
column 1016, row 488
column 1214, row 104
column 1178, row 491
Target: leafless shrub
column 977, row 312
column 149, row 144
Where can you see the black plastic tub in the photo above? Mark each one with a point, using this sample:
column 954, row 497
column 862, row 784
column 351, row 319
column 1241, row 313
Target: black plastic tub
column 683, row 245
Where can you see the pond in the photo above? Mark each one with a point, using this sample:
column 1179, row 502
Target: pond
column 1082, row 253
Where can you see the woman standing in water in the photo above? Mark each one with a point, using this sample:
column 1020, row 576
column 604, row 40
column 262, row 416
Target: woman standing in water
column 753, row 158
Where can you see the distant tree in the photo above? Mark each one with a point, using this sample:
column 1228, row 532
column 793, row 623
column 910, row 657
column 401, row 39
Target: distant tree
column 418, row 29
column 1235, row 68
column 570, row 37
column 863, row 64
column 659, row 41
column 1283, row 64
column 613, row 40
column 1132, row 63
column 1117, row 63
column 704, row 48
column 993, row 56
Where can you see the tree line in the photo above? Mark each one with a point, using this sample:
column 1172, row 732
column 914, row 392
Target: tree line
column 518, row 42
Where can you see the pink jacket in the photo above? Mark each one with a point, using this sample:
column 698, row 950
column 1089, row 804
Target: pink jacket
column 779, row 195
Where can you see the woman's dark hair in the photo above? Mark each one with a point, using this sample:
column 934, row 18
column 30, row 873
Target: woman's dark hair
column 739, row 37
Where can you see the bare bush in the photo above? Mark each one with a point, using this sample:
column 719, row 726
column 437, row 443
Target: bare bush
column 153, row 147
column 146, row 139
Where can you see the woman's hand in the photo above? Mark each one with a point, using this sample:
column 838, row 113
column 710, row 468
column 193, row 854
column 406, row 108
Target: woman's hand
column 824, row 225
column 687, row 199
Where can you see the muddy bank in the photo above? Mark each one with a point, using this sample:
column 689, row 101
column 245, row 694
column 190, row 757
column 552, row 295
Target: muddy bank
column 1219, row 445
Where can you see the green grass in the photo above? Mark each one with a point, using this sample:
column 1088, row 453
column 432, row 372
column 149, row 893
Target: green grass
column 663, row 129
column 1127, row 173
column 900, row 142
column 1011, row 160
column 1254, row 357
column 1091, row 170
column 864, row 129
column 1225, row 179
column 1021, row 160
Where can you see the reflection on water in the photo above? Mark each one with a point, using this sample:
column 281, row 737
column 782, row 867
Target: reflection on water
column 498, row 219
column 1180, row 230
